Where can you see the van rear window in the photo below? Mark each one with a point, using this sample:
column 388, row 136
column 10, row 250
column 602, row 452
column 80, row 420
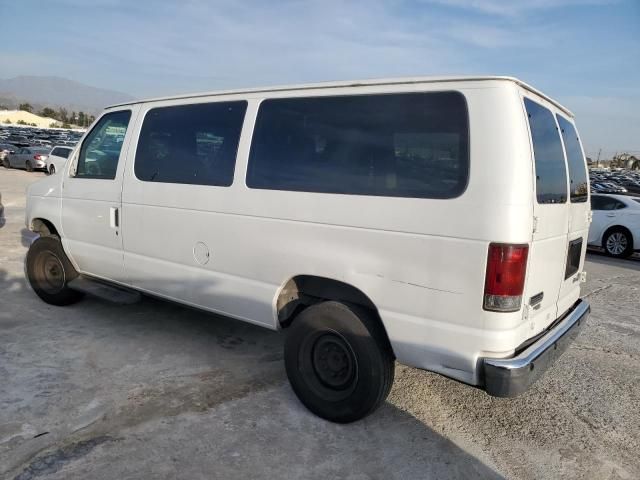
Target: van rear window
column 579, row 187
column 551, row 173
column 397, row 145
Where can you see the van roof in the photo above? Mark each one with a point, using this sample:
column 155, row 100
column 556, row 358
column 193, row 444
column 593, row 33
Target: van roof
column 354, row 83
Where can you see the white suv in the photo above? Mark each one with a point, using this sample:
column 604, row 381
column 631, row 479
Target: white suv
column 439, row 222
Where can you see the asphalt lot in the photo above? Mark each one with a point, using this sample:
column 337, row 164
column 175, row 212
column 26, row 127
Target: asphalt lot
column 155, row 390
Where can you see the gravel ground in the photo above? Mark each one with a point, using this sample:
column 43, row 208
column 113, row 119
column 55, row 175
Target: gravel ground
column 155, row 390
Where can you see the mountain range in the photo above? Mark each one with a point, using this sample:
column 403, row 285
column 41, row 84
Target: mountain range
column 55, row 92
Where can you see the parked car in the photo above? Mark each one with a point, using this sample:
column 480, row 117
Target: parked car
column 372, row 221
column 630, row 185
column 29, row 158
column 607, row 187
column 616, row 224
column 57, row 158
column 6, row 149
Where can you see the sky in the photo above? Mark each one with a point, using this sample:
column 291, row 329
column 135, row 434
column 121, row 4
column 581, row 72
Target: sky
column 584, row 53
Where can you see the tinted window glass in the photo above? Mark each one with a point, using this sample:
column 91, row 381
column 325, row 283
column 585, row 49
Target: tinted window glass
column 597, row 202
column 63, row 152
column 193, row 144
column 551, row 174
column 401, row 145
column 579, row 187
column 100, row 151
column 606, row 203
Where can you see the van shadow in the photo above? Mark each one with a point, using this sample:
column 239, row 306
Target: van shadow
column 183, row 361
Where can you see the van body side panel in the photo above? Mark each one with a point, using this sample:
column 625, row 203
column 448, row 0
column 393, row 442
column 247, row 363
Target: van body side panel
column 421, row 261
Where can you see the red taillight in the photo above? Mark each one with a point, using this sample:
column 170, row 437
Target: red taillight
column 504, row 282
column 37, row 156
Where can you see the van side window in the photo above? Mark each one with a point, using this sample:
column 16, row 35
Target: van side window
column 193, row 144
column 100, row 151
column 579, row 188
column 551, row 173
column 398, row 145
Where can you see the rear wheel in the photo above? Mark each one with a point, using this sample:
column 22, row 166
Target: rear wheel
column 52, row 169
column 49, row 272
column 28, row 166
column 618, row 243
column 339, row 361
column 6, row 163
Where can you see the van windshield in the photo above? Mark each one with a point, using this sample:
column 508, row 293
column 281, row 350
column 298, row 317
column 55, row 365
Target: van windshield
column 551, row 173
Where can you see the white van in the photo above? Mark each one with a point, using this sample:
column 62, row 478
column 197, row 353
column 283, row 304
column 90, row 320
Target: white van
column 439, row 222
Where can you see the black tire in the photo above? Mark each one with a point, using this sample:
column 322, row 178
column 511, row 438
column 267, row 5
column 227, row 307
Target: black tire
column 52, row 169
column 49, row 272
column 6, row 163
column 28, row 166
column 618, row 243
column 339, row 361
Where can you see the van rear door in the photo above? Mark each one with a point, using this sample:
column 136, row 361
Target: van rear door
column 579, row 213
column 551, row 211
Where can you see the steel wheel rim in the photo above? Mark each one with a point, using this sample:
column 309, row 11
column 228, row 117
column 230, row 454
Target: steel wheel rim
column 617, row 243
column 49, row 272
column 333, row 361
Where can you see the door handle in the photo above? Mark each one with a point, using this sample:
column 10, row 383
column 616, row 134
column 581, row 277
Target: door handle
column 114, row 217
column 611, row 214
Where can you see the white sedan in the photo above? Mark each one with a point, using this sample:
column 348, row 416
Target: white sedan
column 57, row 158
column 616, row 224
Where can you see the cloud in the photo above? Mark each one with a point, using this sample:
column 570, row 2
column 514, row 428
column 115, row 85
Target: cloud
column 516, row 7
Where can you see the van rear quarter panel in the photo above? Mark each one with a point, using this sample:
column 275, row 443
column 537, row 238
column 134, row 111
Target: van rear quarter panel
column 421, row 261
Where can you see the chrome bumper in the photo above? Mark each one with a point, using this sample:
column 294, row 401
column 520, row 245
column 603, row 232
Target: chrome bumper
column 508, row 377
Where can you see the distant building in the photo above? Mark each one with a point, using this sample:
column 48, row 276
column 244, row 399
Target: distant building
column 626, row 160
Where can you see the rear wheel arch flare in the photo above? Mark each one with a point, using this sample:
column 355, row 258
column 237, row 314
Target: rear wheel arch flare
column 302, row 291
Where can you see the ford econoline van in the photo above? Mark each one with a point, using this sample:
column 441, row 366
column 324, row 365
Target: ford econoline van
column 439, row 222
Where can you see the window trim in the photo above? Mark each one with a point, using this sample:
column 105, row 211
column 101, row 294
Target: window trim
column 584, row 199
column 76, row 158
column 459, row 93
column 243, row 126
column 532, row 149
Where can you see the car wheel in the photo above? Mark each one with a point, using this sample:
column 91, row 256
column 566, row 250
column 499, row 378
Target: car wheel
column 618, row 243
column 49, row 272
column 52, row 169
column 6, row 163
column 339, row 361
column 28, row 166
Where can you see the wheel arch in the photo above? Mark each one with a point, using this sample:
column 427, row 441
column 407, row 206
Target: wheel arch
column 43, row 227
column 302, row 291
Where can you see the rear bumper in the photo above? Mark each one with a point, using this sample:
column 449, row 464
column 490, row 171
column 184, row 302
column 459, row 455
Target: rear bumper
column 509, row 377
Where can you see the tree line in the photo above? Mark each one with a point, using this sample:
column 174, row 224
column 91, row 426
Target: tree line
column 62, row 115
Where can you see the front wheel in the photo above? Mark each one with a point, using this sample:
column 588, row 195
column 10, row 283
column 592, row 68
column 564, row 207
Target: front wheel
column 339, row 361
column 6, row 163
column 49, row 272
column 618, row 243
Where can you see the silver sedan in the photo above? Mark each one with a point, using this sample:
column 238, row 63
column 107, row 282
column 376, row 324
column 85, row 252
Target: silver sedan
column 29, row 158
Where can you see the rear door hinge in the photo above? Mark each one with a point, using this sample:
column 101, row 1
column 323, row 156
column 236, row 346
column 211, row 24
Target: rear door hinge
column 535, row 224
column 589, row 216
